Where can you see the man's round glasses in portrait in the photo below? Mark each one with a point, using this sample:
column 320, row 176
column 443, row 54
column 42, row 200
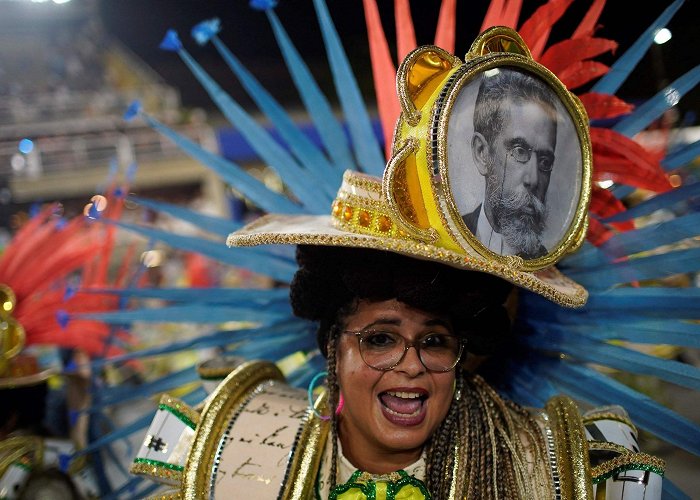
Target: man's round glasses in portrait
column 522, row 154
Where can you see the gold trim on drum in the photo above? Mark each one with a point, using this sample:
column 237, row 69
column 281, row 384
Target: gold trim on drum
column 571, row 449
column 626, row 462
column 157, row 470
column 179, row 409
column 308, row 450
column 608, row 415
column 202, row 458
column 219, row 367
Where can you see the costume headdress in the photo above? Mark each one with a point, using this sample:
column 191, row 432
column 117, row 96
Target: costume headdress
column 428, row 182
column 44, row 271
column 416, row 199
column 46, row 337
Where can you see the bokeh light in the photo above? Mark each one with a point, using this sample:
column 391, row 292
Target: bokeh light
column 662, row 36
column 26, row 146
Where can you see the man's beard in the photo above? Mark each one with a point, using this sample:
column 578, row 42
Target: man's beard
column 519, row 228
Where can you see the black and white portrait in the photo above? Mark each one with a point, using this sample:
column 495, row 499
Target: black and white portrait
column 514, row 162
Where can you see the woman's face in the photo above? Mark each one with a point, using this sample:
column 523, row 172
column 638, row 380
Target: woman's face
column 395, row 411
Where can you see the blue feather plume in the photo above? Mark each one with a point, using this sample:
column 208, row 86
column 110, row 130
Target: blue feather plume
column 270, row 151
column 316, row 103
column 216, row 225
column 364, row 141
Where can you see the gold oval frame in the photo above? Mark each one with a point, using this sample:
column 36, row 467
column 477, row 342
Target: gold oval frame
column 477, row 63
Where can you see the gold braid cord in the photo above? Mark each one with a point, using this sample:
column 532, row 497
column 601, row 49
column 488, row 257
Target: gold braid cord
column 625, row 460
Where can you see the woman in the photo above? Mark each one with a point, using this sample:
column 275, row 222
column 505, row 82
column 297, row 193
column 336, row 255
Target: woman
column 406, row 340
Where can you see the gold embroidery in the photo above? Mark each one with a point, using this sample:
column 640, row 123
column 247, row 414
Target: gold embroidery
column 628, row 461
column 160, row 471
column 593, row 417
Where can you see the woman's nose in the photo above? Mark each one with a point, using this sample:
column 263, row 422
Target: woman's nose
column 411, row 363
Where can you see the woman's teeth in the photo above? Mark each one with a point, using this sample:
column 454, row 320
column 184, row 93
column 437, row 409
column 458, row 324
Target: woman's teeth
column 404, row 395
column 414, row 414
column 403, row 403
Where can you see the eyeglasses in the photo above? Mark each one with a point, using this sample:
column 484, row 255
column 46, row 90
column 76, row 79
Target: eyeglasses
column 439, row 352
column 522, row 154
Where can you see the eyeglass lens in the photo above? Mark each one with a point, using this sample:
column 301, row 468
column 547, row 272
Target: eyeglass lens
column 522, row 154
column 385, row 350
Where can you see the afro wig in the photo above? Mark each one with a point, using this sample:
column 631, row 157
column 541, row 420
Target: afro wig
column 331, row 281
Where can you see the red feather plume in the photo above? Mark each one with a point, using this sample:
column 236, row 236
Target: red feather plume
column 42, row 264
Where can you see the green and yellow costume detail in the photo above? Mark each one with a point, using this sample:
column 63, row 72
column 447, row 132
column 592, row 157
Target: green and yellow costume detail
column 395, row 486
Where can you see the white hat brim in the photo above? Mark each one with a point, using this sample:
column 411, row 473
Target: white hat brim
column 321, row 230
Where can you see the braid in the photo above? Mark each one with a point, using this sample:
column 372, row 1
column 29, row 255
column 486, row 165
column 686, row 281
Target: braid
column 484, row 428
column 333, row 397
column 464, row 412
column 439, row 456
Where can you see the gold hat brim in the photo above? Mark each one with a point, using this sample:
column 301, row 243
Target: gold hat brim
column 324, row 230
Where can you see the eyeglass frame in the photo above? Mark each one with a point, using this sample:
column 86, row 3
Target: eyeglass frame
column 530, row 152
column 407, row 345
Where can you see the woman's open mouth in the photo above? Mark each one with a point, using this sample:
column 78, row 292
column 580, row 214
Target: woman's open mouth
column 404, row 407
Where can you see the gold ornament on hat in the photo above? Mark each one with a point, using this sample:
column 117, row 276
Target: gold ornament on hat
column 430, row 185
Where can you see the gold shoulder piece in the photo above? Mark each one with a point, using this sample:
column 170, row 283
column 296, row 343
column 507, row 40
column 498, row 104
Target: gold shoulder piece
column 571, row 449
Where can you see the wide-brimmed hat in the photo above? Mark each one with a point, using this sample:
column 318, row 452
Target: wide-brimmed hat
column 432, row 192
